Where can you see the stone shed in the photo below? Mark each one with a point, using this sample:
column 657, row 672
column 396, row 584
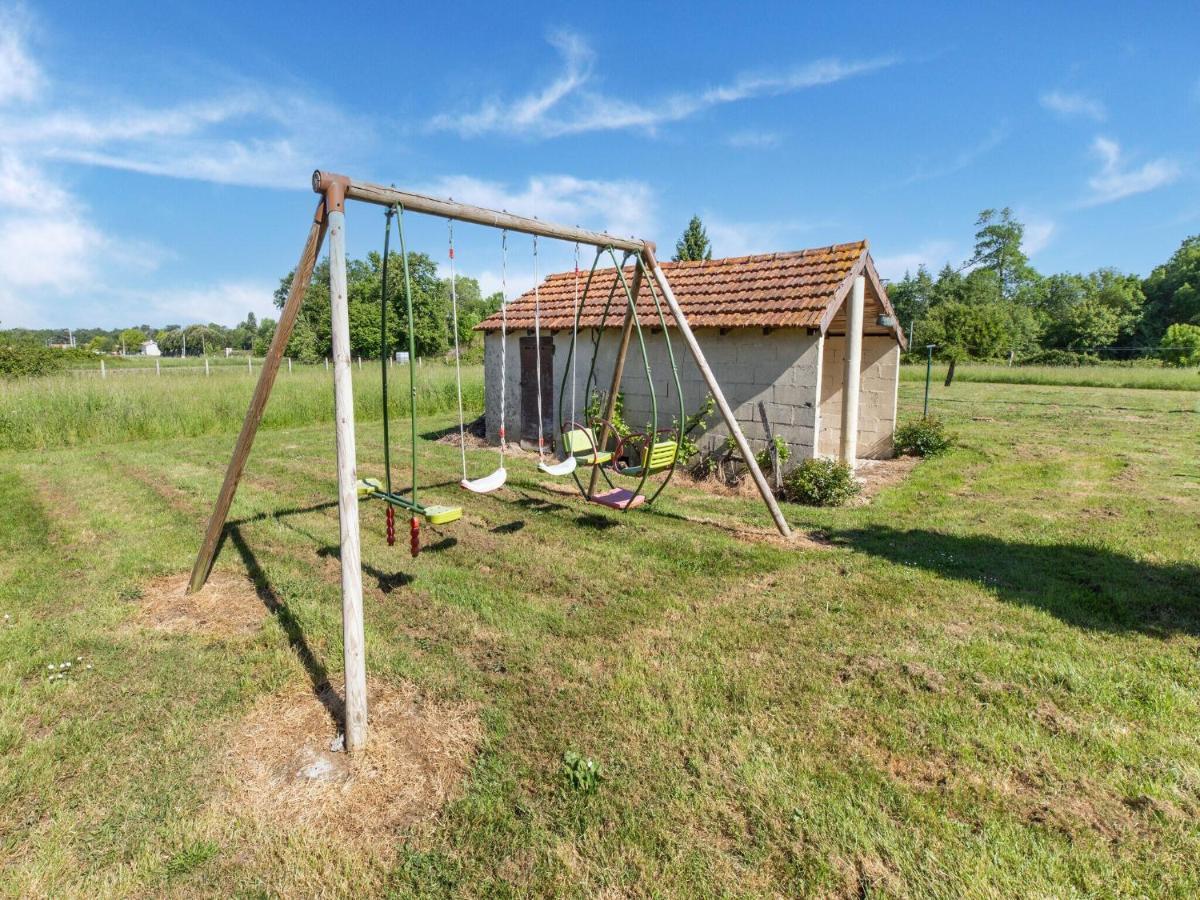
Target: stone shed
column 773, row 328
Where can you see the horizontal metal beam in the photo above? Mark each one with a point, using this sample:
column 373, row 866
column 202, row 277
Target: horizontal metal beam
column 387, row 196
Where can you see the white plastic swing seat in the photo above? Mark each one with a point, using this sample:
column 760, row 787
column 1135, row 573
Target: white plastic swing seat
column 566, row 467
column 487, row 483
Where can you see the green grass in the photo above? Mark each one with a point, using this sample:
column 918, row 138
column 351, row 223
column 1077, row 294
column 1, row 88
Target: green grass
column 1105, row 375
column 70, row 410
column 983, row 684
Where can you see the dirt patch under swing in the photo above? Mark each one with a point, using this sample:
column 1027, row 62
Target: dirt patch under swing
column 284, row 772
column 227, row 605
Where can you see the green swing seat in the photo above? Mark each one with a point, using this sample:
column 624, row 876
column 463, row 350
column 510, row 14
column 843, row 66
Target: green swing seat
column 581, row 443
column 658, row 457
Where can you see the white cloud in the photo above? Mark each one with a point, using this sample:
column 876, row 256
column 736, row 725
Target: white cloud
column 54, row 258
column 730, row 238
column 224, row 303
column 204, row 138
column 21, row 78
column 1115, row 181
column 567, row 106
column 753, row 140
column 622, row 208
column 932, row 254
column 1069, row 105
column 962, row 159
column 1038, row 233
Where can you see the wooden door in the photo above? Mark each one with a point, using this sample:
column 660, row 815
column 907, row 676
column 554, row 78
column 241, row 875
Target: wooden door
column 529, row 392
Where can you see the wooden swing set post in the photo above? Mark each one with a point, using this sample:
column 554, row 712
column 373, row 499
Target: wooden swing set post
column 330, row 218
column 262, row 391
column 735, row 430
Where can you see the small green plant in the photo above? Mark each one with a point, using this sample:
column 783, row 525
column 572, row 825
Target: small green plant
column 582, row 774
column 820, row 482
column 924, row 437
column 766, row 458
column 696, row 422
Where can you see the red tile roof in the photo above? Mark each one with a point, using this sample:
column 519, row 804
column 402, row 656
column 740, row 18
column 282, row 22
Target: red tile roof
column 793, row 289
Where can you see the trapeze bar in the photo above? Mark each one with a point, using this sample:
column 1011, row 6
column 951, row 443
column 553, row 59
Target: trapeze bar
column 389, row 196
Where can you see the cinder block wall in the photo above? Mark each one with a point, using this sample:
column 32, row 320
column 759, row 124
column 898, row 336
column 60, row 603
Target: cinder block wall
column 774, row 373
column 876, row 401
column 493, row 383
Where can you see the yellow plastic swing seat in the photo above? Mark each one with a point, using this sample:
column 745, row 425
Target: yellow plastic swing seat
column 581, row 443
column 657, row 458
column 440, row 515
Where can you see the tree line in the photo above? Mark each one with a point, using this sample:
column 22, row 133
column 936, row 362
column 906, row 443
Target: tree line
column 996, row 303
column 433, row 334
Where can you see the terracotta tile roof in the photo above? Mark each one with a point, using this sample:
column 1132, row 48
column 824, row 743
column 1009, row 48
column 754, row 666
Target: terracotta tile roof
column 769, row 290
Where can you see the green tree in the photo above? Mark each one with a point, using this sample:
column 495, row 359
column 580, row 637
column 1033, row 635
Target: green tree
column 912, row 296
column 101, row 343
column 694, row 243
column 965, row 331
column 1181, row 345
column 130, row 340
column 998, row 249
column 1173, row 292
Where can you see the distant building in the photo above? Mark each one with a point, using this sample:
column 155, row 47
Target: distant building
column 150, row 348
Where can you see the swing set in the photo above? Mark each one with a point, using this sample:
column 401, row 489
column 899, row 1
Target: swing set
column 585, row 443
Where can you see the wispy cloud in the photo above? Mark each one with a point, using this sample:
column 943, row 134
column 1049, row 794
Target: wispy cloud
column 567, row 105
column 21, row 78
column 753, row 140
column 1116, row 180
column 53, row 251
column 1039, row 232
column 743, row 238
column 1073, row 105
column 962, row 159
column 932, row 254
column 620, row 207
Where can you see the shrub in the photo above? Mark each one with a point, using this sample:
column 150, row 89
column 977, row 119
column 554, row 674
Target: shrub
column 820, row 482
column 1181, row 345
column 26, row 360
column 1060, row 358
column 924, row 437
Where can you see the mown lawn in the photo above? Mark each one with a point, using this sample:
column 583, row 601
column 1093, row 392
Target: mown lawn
column 983, row 684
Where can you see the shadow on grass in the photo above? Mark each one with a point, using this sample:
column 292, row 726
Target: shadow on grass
column 1083, row 585
column 317, row 674
column 387, row 581
column 509, row 527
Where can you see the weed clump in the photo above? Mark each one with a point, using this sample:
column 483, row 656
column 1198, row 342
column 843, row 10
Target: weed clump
column 820, row 482
column 924, row 437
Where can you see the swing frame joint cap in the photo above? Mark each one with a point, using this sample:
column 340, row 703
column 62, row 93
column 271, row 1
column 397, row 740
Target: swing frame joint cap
column 334, row 187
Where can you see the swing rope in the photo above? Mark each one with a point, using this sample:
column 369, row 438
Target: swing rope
column 537, row 349
column 462, row 431
column 503, row 337
column 383, row 347
column 574, row 329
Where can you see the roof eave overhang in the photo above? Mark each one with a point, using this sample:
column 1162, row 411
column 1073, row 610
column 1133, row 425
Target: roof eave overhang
column 864, row 266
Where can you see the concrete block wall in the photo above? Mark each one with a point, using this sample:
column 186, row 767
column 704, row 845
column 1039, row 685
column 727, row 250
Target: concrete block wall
column 776, row 373
column 877, row 396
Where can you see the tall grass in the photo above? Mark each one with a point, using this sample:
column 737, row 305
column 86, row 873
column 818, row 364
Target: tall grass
column 67, row 410
column 1067, row 376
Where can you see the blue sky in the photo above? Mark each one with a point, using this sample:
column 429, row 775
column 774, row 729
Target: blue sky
column 155, row 157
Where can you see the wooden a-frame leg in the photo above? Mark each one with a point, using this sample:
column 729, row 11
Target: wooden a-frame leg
column 262, row 392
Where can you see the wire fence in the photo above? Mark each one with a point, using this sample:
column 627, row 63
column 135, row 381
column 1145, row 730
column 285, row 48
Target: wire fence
column 204, row 367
